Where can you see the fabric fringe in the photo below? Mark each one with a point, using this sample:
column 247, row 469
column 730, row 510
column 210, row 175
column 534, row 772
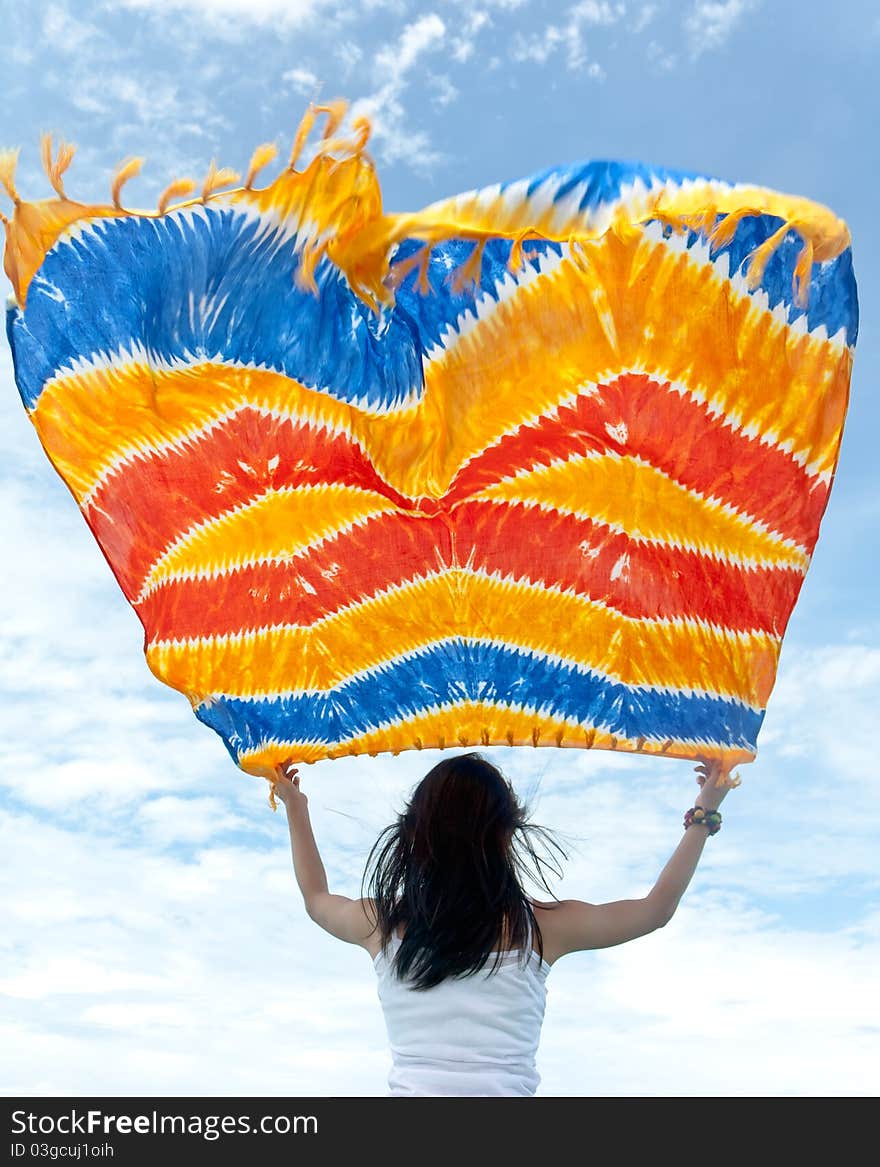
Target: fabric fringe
column 126, row 169
column 55, row 169
column 337, row 198
column 179, row 186
column 8, row 163
column 261, row 157
column 217, row 178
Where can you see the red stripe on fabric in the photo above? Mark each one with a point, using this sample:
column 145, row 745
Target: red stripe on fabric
column 638, row 415
column 383, row 551
column 537, row 546
column 150, row 501
column 641, row 580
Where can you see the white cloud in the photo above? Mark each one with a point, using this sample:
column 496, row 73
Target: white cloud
column 384, row 107
column 644, row 16
column 169, row 819
column 445, row 93
column 302, row 81
column 568, row 37
column 226, row 17
column 661, row 57
column 65, row 33
column 349, row 54
column 424, row 35
column 589, row 12
column 792, row 1011
column 711, row 22
column 465, row 41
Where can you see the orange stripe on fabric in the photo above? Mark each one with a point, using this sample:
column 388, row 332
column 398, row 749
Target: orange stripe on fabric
column 633, row 496
column 369, row 633
column 535, row 350
column 90, row 422
column 540, row 345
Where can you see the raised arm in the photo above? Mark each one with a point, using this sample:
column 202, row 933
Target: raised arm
column 573, row 925
column 347, row 919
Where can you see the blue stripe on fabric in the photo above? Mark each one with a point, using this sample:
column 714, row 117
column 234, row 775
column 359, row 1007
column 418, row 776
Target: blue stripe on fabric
column 604, row 179
column 430, row 315
column 462, row 670
column 132, row 280
column 833, row 298
column 833, row 295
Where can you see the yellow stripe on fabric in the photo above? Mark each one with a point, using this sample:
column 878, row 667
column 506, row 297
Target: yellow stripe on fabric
column 89, row 422
column 646, row 503
column 511, row 211
column 638, row 305
column 478, row 724
column 370, row 633
column 555, row 335
column 276, row 525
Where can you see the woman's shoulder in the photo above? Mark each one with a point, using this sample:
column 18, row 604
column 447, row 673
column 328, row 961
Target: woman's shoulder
column 551, row 917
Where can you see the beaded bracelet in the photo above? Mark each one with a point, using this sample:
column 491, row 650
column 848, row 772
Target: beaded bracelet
column 711, row 819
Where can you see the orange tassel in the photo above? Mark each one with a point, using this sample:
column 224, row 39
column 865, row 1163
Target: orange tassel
column 55, row 169
column 362, row 130
column 470, row 271
column 303, row 130
column 420, row 259
column 675, row 223
column 305, row 273
column 261, row 157
column 335, row 111
column 180, row 186
column 217, row 178
column 704, row 222
column 351, row 147
column 803, row 271
column 760, row 257
column 723, row 233
column 516, row 260
column 124, row 171
column 8, row 161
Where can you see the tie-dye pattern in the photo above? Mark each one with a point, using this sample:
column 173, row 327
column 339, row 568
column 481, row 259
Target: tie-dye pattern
column 541, row 464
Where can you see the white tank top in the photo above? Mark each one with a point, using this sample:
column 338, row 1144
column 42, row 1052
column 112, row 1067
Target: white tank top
column 475, row 1035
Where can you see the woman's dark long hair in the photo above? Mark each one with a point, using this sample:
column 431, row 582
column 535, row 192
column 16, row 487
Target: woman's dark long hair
column 449, row 872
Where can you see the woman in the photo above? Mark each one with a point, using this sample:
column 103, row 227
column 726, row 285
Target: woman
column 460, row 951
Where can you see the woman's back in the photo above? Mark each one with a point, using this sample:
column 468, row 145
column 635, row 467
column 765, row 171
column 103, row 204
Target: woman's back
column 448, row 873
column 473, row 1035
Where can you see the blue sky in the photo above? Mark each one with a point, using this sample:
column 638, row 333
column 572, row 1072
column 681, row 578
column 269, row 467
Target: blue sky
column 151, row 933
